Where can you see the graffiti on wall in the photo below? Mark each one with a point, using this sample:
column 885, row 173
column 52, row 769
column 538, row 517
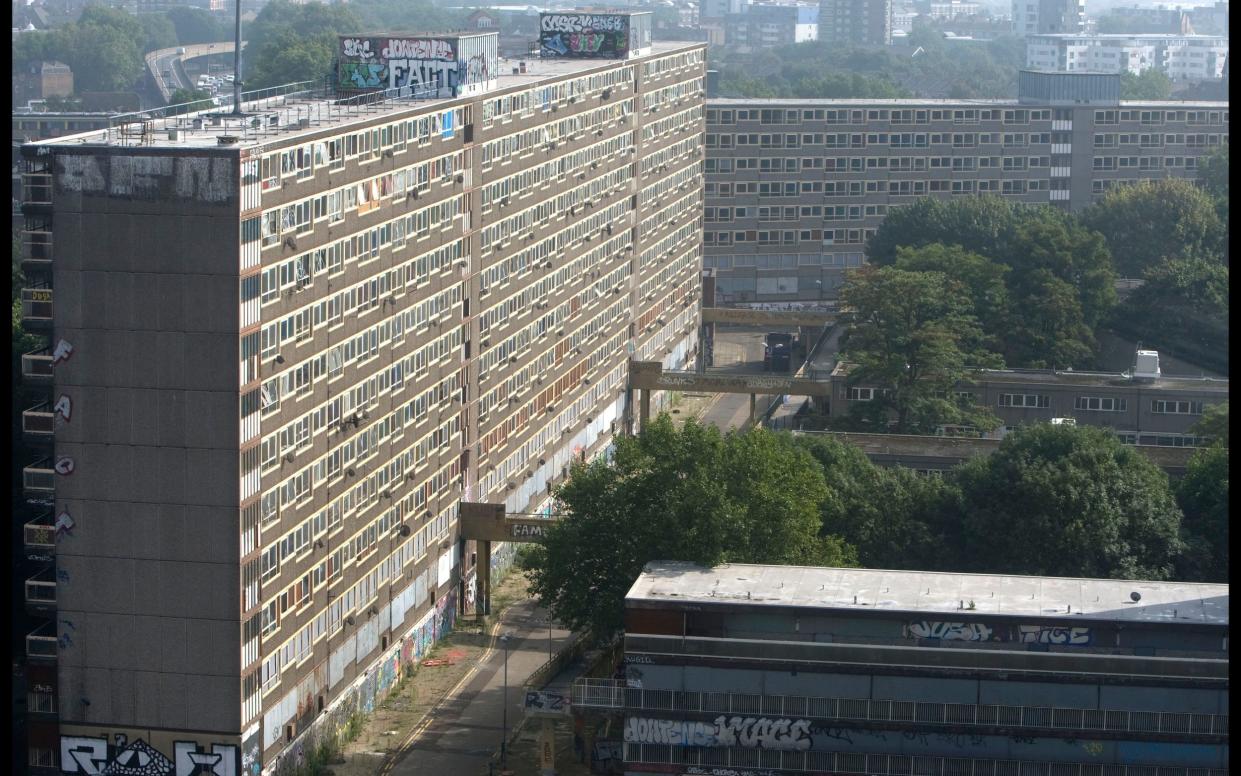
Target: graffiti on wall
column 949, row 631
column 90, row 755
column 746, row 732
column 977, row 631
column 390, row 63
column 584, row 35
column 1053, row 634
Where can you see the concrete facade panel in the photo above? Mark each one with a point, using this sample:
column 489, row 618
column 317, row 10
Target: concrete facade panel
column 925, row 688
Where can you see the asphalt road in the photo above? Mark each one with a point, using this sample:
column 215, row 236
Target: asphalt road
column 465, row 729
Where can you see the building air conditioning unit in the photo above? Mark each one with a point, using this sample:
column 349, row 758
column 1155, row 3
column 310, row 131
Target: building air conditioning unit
column 1146, row 365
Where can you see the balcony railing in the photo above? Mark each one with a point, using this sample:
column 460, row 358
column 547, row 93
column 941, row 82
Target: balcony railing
column 39, row 480
column 886, row 764
column 36, row 250
column 37, row 366
column 36, row 188
column 36, row 307
column 612, row 694
column 39, row 422
column 41, row 643
column 39, row 535
column 41, row 590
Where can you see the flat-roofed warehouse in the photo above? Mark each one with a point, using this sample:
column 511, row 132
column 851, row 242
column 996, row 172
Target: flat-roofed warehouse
column 830, row 670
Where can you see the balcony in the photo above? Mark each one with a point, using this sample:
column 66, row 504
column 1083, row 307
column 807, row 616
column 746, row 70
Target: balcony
column 36, row 251
column 612, row 694
column 41, row 643
column 39, row 537
column 37, row 366
column 37, row 308
column 36, row 192
column 39, row 481
column 41, row 592
column 39, row 422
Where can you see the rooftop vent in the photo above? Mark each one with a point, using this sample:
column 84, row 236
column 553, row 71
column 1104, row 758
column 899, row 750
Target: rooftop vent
column 227, row 139
column 1146, row 365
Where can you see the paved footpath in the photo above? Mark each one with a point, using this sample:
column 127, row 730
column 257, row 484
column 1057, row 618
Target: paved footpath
column 462, row 732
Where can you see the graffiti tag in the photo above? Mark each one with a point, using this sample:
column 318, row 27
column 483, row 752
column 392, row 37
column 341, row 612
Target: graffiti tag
column 526, row 531
column 356, row 47
column 63, row 407
column 748, row 732
column 62, row 352
column 558, row 22
column 418, row 48
column 1053, row 634
column 949, row 631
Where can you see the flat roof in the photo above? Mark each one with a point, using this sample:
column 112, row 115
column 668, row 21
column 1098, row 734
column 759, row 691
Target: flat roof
column 923, row 593
column 1091, row 379
column 782, row 102
column 279, row 117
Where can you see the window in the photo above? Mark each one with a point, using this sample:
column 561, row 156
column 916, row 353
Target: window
column 1024, row 400
column 861, row 394
column 1168, row 407
column 1100, row 404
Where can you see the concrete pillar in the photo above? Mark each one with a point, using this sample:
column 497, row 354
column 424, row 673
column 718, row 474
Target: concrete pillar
column 482, row 607
column 753, row 407
column 645, row 413
column 547, row 747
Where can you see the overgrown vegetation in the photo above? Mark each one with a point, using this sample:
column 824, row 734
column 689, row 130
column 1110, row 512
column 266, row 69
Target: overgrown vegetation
column 1052, row 500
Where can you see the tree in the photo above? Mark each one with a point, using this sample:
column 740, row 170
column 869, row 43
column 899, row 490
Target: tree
column 913, row 336
column 1153, row 220
column 692, row 494
column 893, row 516
column 1151, row 84
column 1058, row 276
column 295, row 42
column 1213, row 424
column 194, row 25
column 1203, row 497
column 1213, row 175
column 158, row 32
column 191, row 99
column 1067, row 501
column 983, row 278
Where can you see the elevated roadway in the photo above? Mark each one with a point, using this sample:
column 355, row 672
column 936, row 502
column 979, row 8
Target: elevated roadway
column 167, row 66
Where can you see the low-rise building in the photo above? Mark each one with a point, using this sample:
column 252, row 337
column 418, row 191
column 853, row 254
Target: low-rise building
column 788, row 670
column 1180, row 57
column 1160, row 411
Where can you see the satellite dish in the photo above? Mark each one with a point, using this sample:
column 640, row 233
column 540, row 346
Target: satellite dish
column 1135, row 596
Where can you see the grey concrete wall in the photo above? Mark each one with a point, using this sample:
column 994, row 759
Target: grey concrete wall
column 145, row 277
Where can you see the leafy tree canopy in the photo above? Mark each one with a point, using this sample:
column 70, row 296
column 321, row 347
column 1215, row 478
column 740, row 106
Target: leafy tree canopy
column 1068, row 501
column 1152, row 84
column 893, row 516
column 291, row 42
column 1214, row 424
column 194, row 25
column 692, row 494
column 1056, row 275
column 914, row 336
column 1203, row 497
column 1153, row 220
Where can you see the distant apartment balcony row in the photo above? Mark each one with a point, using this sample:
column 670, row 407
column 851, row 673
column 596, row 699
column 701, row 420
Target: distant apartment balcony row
column 37, row 308
column 36, row 250
column 37, row 366
column 39, row 422
column 40, row 592
column 614, row 694
column 42, row 643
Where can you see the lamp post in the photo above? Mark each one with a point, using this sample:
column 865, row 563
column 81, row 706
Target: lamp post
column 819, row 283
column 504, row 740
